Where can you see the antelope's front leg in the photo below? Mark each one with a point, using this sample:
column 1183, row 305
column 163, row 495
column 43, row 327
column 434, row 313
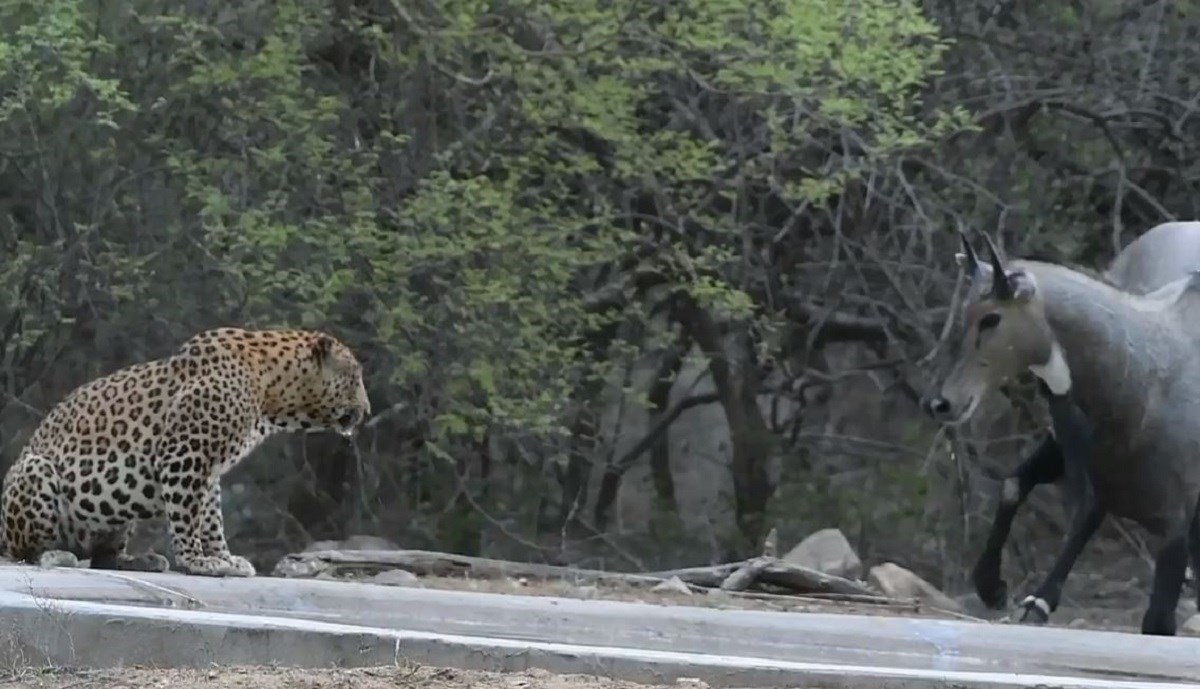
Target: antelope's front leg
column 1044, row 465
column 1073, row 433
column 1084, row 523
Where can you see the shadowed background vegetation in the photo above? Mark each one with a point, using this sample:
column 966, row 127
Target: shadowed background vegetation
column 632, row 281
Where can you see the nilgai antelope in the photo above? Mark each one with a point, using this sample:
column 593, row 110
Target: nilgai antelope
column 1162, row 254
column 1123, row 373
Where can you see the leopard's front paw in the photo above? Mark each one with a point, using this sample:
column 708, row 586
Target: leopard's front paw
column 241, row 566
column 213, row 566
column 146, row 562
column 124, row 562
column 58, row 558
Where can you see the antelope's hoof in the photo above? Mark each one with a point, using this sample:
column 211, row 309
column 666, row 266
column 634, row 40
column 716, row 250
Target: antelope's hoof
column 1158, row 625
column 1034, row 610
column 994, row 595
column 991, row 589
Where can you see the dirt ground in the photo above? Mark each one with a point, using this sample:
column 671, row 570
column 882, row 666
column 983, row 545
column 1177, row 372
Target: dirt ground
column 364, row 678
column 1114, row 600
column 710, row 599
column 1092, row 600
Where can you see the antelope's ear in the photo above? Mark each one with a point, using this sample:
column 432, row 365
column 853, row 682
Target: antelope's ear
column 971, row 263
column 967, row 258
column 1024, row 287
column 981, row 272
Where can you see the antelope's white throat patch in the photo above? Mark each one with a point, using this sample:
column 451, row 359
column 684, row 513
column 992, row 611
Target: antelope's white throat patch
column 1055, row 372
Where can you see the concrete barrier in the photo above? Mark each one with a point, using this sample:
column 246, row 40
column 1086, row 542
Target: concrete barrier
column 81, row 618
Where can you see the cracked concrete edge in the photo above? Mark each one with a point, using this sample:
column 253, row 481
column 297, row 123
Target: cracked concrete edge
column 75, row 634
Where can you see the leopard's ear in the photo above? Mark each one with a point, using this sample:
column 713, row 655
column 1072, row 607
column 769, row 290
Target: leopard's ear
column 322, row 349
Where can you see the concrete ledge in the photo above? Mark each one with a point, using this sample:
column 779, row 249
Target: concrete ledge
column 817, row 638
column 86, row 634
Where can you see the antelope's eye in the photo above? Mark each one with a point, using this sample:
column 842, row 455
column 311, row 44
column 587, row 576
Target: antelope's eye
column 991, row 320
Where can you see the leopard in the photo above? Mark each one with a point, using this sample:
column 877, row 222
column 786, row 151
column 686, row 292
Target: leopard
column 154, row 438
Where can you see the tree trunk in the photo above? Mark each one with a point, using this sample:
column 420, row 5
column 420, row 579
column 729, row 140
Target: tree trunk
column 659, row 447
column 660, row 453
column 579, row 467
column 751, row 440
column 611, row 481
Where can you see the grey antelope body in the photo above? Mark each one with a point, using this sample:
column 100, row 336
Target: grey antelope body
column 1165, row 253
column 1162, row 254
column 1124, row 378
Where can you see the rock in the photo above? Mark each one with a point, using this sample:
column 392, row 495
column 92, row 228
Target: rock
column 672, row 585
column 897, row 582
column 58, row 558
column 367, row 542
column 1191, row 626
column 288, row 568
column 355, row 542
column 396, row 577
column 827, row 551
column 587, row 592
column 771, row 543
column 317, row 546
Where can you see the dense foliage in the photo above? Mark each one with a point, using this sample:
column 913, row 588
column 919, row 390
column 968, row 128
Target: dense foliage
column 508, row 208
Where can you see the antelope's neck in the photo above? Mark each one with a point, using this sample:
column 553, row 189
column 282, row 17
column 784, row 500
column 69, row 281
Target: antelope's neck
column 1110, row 347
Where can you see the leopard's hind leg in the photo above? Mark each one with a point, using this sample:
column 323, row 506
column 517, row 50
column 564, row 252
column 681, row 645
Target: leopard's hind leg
column 109, row 551
column 33, row 514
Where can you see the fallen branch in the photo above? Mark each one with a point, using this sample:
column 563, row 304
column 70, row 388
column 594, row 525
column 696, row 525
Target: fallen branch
column 745, row 576
column 775, row 573
column 784, row 599
column 736, row 576
column 433, row 564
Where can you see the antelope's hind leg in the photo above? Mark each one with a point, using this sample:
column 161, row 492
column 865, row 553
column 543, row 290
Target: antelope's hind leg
column 1193, row 547
column 1169, row 569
